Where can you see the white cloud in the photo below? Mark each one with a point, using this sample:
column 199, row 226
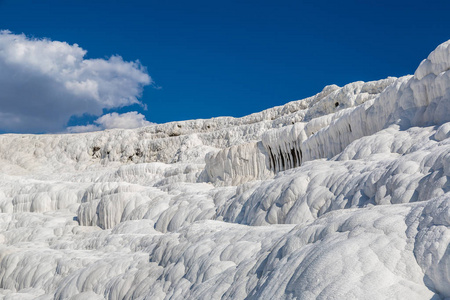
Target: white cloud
column 131, row 119
column 83, row 128
column 43, row 83
column 128, row 120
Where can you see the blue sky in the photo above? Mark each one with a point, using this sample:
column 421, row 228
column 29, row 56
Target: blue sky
column 215, row 58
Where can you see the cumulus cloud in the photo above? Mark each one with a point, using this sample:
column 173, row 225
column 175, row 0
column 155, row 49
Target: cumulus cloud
column 43, row 83
column 128, row 120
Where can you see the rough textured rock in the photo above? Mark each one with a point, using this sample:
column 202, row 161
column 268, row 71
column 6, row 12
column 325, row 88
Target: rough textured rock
column 343, row 195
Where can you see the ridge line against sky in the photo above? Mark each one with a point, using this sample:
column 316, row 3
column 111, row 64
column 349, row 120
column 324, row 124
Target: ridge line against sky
column 148, row 61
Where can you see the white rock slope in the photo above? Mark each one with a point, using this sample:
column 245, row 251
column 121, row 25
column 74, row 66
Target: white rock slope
column 343, row 195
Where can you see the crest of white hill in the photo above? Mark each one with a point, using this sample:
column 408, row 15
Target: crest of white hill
column 343, row 195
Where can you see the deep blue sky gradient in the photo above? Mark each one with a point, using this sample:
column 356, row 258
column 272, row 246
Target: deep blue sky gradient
column 215, row 58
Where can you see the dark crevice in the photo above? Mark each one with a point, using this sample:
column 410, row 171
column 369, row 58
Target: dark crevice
column 281, row 161
column 272, row 159
column 294, row 157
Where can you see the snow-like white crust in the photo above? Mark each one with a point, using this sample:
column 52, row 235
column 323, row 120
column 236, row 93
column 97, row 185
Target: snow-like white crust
column 343, row 195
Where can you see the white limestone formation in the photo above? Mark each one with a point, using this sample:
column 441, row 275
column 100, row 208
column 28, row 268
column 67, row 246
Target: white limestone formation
column 343, row 195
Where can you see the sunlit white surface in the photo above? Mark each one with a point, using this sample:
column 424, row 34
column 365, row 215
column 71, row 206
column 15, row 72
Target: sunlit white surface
column 343, row 195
